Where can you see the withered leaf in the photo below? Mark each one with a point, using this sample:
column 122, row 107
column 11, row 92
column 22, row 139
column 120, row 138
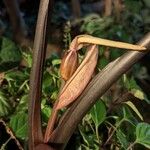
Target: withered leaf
column 69, row 64
column 79, row 80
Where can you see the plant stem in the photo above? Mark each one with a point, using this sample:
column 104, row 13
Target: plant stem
column 97, row 134
column 131, row 145
column 51, row 123
column 119, row 123
column 108, row 7
column 53, row 118
column 91, row 127
column 39, row 50
column 4, row 145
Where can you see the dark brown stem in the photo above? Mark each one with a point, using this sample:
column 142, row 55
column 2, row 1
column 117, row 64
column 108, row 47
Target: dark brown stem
column 53, row 118
column 51, row 123
column 108, row 8
column 117, row 8
column 76, row 8
column 39, row 48
column 96, row 88
column 17, row 21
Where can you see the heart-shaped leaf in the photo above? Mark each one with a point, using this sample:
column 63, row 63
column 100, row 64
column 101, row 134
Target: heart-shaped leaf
column 143, row 134
column 18, row 123
column 98, row 112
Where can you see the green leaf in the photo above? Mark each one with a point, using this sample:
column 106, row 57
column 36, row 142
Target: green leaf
column 133, row 87
column 122, row 139
column 143, row 134
column 130, row 3
column 102, row 62
column 18, row 123
column 101, row 51
column 17, row 81
column 147, row 3
column 138, row 93
column 130, row 83
column 54, row 95
column 84, row 136
column 115, row 53
column 22, row 106
column 16, row 76
column 28, row 58
column 46, row 112
column 128, row 116
column 88, row 138
column 131, row 105
column 5, row 106
column 98, row 112
column 94, row 24
column 56, row 62
column 47, row 83
column 133, row 84
column 10, row 55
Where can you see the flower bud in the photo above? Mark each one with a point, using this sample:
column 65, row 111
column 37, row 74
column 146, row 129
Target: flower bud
column 69, row 64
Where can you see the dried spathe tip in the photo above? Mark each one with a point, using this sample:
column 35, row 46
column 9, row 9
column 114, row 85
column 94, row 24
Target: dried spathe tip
column 69, row 64
column 99, row 41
